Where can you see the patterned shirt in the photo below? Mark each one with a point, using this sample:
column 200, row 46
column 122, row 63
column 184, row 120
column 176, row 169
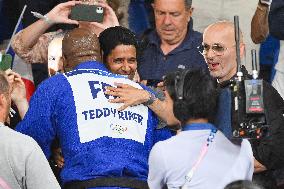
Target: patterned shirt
column 37, row 53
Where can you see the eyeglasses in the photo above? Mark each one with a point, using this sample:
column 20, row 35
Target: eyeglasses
column 217, row 48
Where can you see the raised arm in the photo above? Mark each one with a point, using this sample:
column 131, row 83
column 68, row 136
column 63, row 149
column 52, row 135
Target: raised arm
column 259, row 23
column 110, row 19
column 18, row 92
column 32, row 39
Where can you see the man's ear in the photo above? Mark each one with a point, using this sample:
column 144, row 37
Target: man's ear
column 153, row 5
column 2, row 99
column 242, row 50
column 189, row 13
column 64, row 62
column 102, row 56
column 61, row 64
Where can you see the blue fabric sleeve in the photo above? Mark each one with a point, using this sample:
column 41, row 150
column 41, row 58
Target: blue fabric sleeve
column 38, row 121
column 162, row 133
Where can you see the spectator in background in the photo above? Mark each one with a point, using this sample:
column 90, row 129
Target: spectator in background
column 139, row 16
column 173, row 43
column 31, row 44
column 18, row 94
column 269, row 49
column 269, row 17
column 22, row 162
column 199, row 156
column 271, row 20
column 220, row 54
column 207, row 12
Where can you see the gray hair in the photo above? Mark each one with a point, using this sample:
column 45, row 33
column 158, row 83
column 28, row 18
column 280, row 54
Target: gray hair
column 4, row 84
column 188, row 3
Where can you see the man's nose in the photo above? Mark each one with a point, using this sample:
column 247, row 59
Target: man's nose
column 167, row 19
column 126, row 67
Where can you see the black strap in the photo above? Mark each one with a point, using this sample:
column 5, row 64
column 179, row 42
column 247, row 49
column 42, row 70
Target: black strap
column 107, row 182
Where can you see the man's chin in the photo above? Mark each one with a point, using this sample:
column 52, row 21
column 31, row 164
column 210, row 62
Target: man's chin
column 215, row 74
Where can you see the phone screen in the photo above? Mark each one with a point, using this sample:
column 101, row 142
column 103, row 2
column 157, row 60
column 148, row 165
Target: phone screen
column 89, row 13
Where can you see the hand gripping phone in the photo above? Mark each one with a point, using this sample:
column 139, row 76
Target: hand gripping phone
column 88, row 13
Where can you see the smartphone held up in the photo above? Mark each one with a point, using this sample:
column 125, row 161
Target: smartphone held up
column 88, row 13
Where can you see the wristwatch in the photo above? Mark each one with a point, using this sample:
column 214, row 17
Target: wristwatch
column 151, row 99
column 265, row 2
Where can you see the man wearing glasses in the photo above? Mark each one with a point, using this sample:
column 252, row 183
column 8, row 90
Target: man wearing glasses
column 218, row 49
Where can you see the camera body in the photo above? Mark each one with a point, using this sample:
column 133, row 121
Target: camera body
column 88, row 13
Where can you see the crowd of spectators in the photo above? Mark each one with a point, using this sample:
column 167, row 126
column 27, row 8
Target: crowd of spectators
column 139, row 104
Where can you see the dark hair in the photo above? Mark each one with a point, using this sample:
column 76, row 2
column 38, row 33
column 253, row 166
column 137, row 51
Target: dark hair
column 242, row 184
column 114, row 36
column 194, row 94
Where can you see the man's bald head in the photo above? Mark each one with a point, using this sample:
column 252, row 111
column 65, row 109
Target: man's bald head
column 220, row 49
column 224, row 28
column 80, row 45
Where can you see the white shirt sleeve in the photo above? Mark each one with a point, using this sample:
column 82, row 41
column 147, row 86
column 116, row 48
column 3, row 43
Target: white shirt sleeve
column 157, row 167
column 246, row 149
column 38, row 171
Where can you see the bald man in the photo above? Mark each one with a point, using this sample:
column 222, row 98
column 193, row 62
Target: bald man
column 220, row 55
column 101, row 146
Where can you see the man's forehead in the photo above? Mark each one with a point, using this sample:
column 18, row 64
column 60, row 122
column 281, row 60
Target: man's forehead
column 219, row 33
column 123, row 50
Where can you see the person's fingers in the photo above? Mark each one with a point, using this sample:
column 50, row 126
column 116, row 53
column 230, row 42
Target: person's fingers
column 123, row 107
column 116, row 100
column 19, row 80
column 69, row 4
column 69, row 21
column 103, row 4
column 118, row 84
column 16, row 75
column 10, row 75
column 110, row 88
column 115, row 89
column 98, row 25
column 113, row 93
column 123, row 86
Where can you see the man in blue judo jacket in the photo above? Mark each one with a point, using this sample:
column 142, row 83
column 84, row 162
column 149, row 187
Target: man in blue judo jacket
column 102, row 147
